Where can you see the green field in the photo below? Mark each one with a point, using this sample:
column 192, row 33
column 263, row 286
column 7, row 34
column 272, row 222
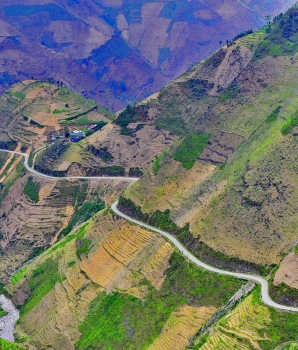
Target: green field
column 130, row 323
column 190, row 149
column 19, row 95
column 31, row 189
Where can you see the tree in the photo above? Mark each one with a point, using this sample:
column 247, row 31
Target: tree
column 220, row 42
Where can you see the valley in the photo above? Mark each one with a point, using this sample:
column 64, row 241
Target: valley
column 118, row 52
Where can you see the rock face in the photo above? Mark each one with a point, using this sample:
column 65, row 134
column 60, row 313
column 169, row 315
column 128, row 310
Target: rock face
column 117, row 51
column 7, row 322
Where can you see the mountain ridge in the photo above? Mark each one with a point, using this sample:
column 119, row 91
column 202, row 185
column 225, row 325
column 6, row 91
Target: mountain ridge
column 114, row 39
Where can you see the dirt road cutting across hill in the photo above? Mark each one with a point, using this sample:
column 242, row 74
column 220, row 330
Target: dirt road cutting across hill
column 264, row 284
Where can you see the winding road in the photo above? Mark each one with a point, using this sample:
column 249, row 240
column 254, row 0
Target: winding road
column 33, row 171
column 264, row 284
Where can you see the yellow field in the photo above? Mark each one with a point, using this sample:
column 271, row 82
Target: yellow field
column 181, row 327
column 126, row 254
column 122, row 255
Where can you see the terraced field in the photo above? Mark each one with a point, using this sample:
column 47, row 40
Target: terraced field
column 28, row 226
column 31, row 111
column 180, row 327
column 120, row 264
column 124, row 250
column 250, row 326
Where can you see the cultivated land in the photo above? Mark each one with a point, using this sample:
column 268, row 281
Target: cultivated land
column 224, row 184
column 36, row 211
column 132, row 274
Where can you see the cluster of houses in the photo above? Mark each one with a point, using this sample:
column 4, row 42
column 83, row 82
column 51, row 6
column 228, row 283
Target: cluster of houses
column 75, row 135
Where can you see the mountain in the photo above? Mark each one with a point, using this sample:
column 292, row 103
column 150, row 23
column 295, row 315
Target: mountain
column 118, row 52
column 216, row 152
column 230, row 175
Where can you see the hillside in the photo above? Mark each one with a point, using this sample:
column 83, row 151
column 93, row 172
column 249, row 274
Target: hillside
column 128, row 280
column 216, row 152
column 35, row 212
column 93, row 46
column 231, row 174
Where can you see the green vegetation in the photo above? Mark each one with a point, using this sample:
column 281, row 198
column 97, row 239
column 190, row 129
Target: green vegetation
column 41, row 282
column 282, row 36
column 131, row 114
column 190, row 149
column 102, row 153
column 58, row 111
column 84, row 213
column 290, row 124
column 31, row 189
column 18, row 275
column 196, row 88
column 10, row 145
column 130, row 323
column 36, row 251
column 18, row 95
column 135, row 172
column 79, row 234
column 2, row 312
column 174, row 125
column 33, row 122
column 231, row 92
column 7, row 345
column 273, row 116
column 156, row 163
column 83, row 246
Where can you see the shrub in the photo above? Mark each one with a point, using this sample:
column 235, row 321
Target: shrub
column 31, row 189
column 191, row 148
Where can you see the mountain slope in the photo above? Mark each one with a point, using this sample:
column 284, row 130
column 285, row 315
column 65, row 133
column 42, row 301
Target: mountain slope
column 231, row 175
column 117, row 52
column 112, row 273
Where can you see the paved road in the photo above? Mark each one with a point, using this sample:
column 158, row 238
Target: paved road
column 31, row 170
column 265, row 295
column 264, row 284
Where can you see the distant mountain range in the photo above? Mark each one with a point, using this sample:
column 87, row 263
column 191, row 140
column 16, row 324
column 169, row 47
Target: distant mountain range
column 118, row 51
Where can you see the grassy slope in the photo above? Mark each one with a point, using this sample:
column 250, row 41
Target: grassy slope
column 254, row 209
column 126, row 321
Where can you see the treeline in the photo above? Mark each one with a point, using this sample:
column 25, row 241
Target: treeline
column 10, row 145
column 207, row 254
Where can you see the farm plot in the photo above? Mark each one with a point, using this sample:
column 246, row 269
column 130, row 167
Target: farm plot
column 125, row 256
column 181, row 326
